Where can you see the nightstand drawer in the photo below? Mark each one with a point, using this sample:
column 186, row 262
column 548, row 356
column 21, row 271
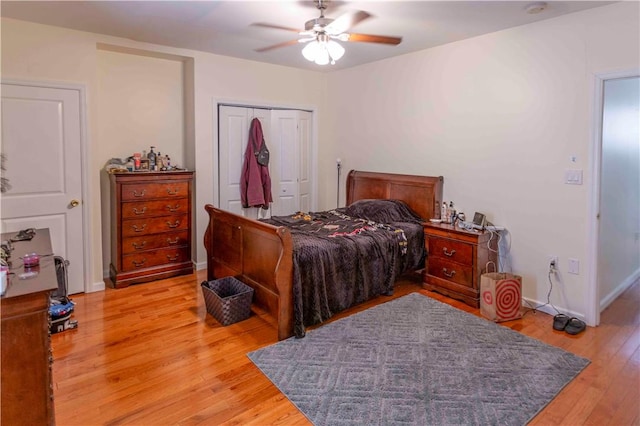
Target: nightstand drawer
column 452, row 250
column 450, row 271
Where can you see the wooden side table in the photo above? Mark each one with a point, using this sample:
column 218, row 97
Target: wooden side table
column 26, row 379
column 455, row 260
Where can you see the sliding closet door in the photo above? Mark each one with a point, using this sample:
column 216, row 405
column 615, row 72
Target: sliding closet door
column 290, row 170
column 284, row 167
column 287, row 134
column 233, row 127
column 304, row 167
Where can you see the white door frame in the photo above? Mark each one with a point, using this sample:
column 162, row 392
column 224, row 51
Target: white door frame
column 268, row 105
column 592, row 314
column 89, row 285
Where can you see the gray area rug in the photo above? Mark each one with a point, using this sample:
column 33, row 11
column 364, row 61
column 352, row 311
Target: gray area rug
column 417, row 361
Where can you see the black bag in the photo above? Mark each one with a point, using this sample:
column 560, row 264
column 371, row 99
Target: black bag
column 263, row 155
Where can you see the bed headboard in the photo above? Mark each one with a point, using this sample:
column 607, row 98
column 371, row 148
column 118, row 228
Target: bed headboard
column 423, row 194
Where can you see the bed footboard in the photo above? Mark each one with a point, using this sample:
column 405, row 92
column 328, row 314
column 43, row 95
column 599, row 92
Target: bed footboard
column 258, row 254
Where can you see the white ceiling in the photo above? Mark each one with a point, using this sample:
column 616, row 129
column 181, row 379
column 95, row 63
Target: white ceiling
column 224, row 27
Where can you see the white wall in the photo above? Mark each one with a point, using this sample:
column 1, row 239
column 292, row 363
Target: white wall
column 35, row 52
column 499, row 116
column 140, row 104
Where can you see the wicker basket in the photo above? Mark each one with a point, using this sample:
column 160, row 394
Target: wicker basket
column 227, row 299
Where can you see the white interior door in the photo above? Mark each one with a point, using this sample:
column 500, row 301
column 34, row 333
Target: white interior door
column 284, row 166
column 233, row 130
column 304, row 154
column 41, row 139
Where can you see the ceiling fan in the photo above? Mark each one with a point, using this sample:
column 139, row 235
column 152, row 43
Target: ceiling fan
column 321, row 34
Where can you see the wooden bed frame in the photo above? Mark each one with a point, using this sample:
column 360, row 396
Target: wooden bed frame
column 261, row 255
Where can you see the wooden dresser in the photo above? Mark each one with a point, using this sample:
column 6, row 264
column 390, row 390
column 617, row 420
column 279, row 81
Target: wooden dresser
column 455, row 260
column 150, row 226
column 26, row 380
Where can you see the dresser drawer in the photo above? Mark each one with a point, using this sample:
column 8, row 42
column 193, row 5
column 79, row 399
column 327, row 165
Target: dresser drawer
column 450, row 271
column 137, row 227
column 144, row 191
column 141, row 209
column 456, row 251
column 153, row 242
column 147, row 259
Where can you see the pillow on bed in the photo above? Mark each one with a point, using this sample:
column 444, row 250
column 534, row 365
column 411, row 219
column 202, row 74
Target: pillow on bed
column 382, row 211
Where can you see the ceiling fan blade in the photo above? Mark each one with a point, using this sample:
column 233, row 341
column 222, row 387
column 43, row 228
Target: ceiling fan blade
column 343, row 22
column 276, row 46
column 275, row 27
column 369, row 38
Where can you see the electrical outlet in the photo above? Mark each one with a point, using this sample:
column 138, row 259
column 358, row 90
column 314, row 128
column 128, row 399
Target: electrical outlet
column 553, row 262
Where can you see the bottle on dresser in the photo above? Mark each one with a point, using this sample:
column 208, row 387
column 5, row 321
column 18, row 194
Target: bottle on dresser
column 159, row 161
column 444, row 214
column 152, row 159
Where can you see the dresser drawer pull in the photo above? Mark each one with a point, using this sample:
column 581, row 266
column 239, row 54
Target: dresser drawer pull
column 139, row 264
column 174, row 258
column 139, row 246
column 448, row 253
column 140, row 229
column 173, row 225
column 174, row 209
column 447, row 273
column 172, row 191
column 139, row 212
column 173, row 242
column 135, row 193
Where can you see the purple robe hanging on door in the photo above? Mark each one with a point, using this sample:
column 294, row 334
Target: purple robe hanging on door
column 255, row 182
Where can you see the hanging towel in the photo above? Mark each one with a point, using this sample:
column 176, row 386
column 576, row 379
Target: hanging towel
column 255, row 182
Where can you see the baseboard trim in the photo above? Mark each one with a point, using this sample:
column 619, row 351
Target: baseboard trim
column 200, row 265
column 608, row 299
column 97, row 286
column 548, row 309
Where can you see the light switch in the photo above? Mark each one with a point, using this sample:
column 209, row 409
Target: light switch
column 574, row 266
column 573, row 177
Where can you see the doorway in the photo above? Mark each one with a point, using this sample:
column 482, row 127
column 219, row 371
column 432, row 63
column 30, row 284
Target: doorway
column 45, row 169
column 616, row 248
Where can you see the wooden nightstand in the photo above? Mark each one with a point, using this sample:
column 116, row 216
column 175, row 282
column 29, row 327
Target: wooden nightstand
column 455, row 260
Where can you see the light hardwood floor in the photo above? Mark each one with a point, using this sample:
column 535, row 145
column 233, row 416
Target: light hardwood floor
column 150, row 355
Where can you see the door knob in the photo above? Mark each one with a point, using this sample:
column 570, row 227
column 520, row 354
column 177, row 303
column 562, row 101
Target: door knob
column 74, row 203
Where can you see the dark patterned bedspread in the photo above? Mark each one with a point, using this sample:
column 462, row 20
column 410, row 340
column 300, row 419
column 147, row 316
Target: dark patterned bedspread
column 346, row 256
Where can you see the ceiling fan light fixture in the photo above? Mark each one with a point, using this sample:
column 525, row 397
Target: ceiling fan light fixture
column 311, row 50
column 336, row 51
column 322, row 57
column 323, row 51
